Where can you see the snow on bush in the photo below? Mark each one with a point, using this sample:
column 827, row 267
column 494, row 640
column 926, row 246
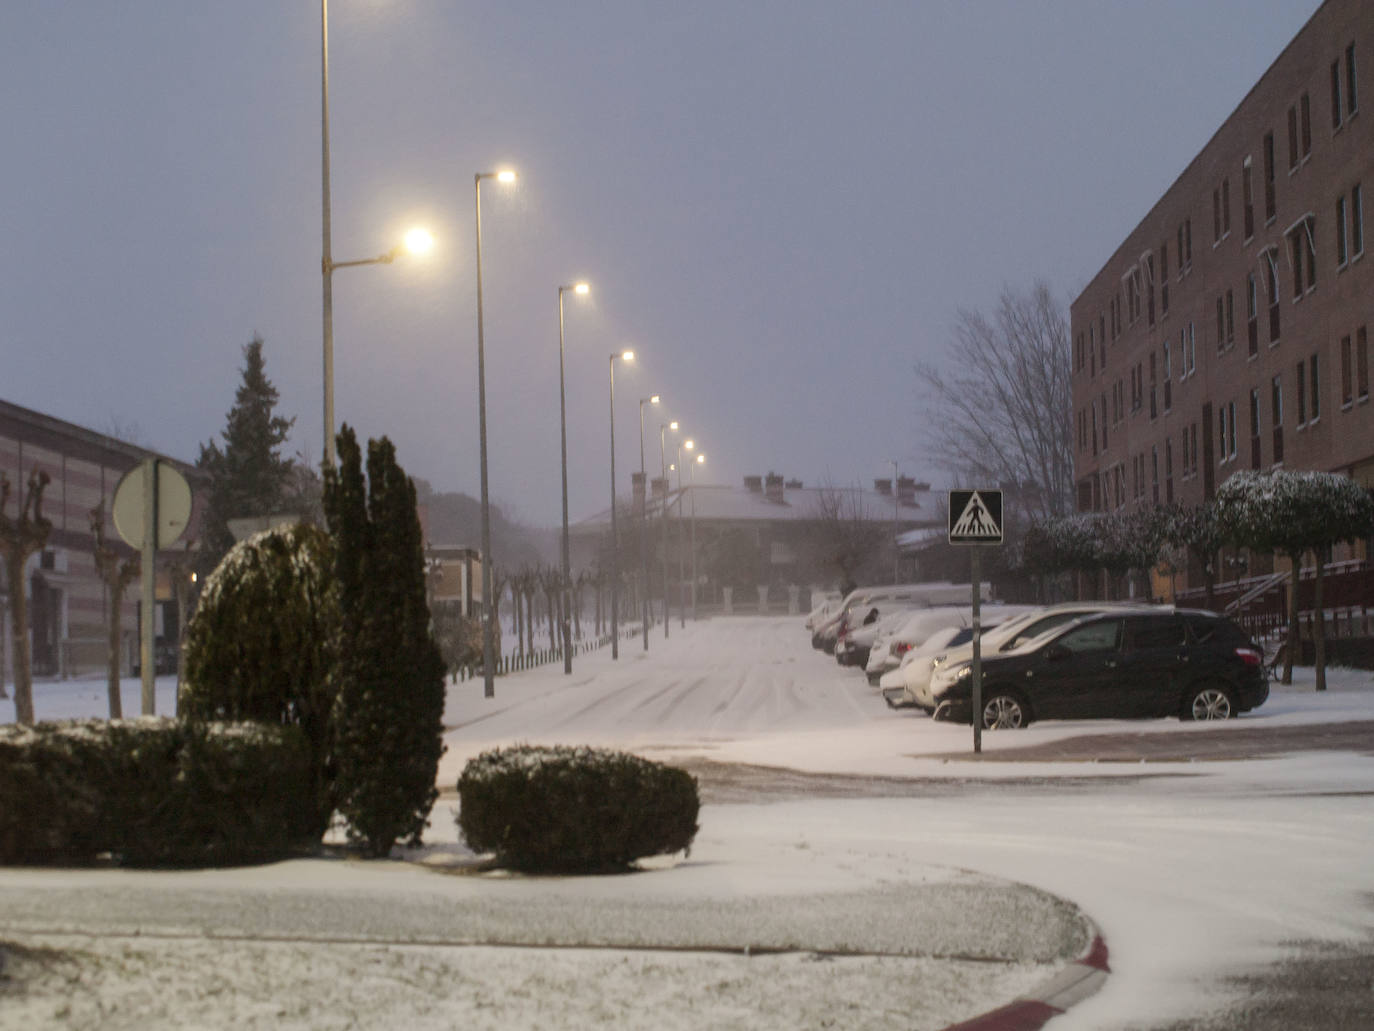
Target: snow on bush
column 153, row 792
column 574, row 809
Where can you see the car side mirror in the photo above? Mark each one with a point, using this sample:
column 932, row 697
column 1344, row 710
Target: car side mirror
column 1056, row 653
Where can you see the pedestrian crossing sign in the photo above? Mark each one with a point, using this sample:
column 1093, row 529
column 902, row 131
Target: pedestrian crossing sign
column 975, row 517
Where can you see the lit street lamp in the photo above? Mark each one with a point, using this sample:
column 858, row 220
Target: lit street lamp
column 644, row 523
column 663, row 515
column 417, row 241
column 700, row 460
column 581, row 289
column 625, row 356
column 488, row 630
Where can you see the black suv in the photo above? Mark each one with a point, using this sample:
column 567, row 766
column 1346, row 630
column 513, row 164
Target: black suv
column 1193, row 665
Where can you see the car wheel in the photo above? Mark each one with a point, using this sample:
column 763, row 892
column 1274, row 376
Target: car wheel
column 1005, row 710
column 941, row 712
column 1208, row 702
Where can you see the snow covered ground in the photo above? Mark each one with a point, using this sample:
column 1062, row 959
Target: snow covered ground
column 1193, row 871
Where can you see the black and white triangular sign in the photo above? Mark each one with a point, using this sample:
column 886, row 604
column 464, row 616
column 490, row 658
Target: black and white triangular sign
column 975, row 517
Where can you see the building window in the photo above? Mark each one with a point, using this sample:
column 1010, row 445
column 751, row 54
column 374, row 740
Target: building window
column 1225, row 207
column 1149, row 265
column 1163, row 279
column 1247, row 197
column 1352, row 95
column 1154, row 473
column 1302, row 394
column 1270, row 205
column 1302, row 251
column 1185, row 247
column 1230, row 318
column 1341, row 256
column 1231, row 425
column 1306, row 111
column 1154, row 408
column 1347, row 374
column 1314, row 376
column 1255, row 428
column 1252, row 314
column 1189, row 349
column 1221, row 324
column 1094, row 414
column 1271, row 287
column 1104, row 422
column 1336, row 108
column 1292, row 139
column 1168, row 378
column 1168, row 472
column 1276, row 414
column 1216, row 216
column 1361, row 364
column 1356, row 221
column 1102, row 330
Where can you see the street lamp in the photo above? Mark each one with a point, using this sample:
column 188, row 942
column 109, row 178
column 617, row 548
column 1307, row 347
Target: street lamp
column 700, row 460
column 581, row 289
column 417, row 241
column 663, row 514
column 624, row 356
column 644, row 522
column 488, row 630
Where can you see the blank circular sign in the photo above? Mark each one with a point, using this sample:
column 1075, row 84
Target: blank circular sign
column 173, row 505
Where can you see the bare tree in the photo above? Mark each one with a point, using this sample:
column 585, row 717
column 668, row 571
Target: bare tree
column 21, row 537
column 117, row 574
column 1000, row 406
column 846, row 536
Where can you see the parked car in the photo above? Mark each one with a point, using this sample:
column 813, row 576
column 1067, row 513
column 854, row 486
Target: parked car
column 822, row 611
column 859, row 603
column 946, row 638
column 915, row 671
column 1124, row 664
column 914, row 627
column 855, row 641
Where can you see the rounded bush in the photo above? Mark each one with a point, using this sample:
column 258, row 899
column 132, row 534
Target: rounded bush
column 260, row 646
column 154, row 792
column 574, row 810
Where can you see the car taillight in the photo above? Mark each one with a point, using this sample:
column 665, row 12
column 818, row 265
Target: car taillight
column 1250, row 656
column 901, row 648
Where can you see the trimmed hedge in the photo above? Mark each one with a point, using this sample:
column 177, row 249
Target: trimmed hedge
column 574, row 810
column 154, row 792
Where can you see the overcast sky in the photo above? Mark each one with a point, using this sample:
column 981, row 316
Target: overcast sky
column 780, row 205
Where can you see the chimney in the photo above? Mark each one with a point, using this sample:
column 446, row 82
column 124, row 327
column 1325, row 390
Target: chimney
column 637, row 489
column 754, row 483
column 794, row 485
column 883, row 487
column 659, row 486
column 773, row 488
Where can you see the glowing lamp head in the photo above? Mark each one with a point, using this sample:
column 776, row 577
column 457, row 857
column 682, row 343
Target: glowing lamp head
column 701, row 459
column 653, row 400
column 627, row 356
column 673, row 425
column 505, row 176
column 419, row 241
column 582, row 289
column 689, row 445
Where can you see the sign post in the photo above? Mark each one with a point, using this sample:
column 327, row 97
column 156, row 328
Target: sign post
column 152, row 505
column 975, row 518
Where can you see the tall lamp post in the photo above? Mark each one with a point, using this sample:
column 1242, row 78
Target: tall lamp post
column 681, row 557
column 896, row 548
column 581, row 289
column 663, row 514
column 692, row 479
column 418, row 241
column 644, row 523
column 625, row 356
column 488, row 629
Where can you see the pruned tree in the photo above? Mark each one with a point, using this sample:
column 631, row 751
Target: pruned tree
column 248, row 475
column 1197, row 530
column 1289, row 513
column 551, row 581
column 22, row 536
column 117, row 573
column 846, row 539
column 999, row 405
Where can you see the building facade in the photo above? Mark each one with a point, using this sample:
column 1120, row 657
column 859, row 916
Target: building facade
column 1230, row 329
column 66, row 596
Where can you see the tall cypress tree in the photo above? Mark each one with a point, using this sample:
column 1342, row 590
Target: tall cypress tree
column 248, row 476
column 388, row 716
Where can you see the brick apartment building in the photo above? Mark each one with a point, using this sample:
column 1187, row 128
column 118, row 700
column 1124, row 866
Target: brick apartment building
column 67, row 623
column 1230, row 330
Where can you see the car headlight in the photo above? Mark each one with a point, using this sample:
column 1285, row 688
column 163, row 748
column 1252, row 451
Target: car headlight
column 942, row 680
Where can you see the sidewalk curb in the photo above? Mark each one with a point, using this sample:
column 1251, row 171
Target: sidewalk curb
column 1080, row 979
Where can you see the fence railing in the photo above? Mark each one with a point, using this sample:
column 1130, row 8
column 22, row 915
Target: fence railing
column 1260, row 603
column 516, row 662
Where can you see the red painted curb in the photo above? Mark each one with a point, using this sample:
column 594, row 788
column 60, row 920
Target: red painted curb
column 1076, row 981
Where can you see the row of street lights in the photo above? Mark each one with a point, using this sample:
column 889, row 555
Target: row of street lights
column 419, row 241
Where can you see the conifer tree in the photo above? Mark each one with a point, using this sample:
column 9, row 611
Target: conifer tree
column 248, row 475
column 389, row 711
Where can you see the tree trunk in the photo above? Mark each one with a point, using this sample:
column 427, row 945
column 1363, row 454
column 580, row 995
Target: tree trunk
column 113, row 622
column 1294, row 643
column 1319, row 625
column 19, row 629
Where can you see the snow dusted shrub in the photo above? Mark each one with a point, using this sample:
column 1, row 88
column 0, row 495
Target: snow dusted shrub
column 153, row 792
column 261, row 643
column 574, row 810
column 388, row 716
